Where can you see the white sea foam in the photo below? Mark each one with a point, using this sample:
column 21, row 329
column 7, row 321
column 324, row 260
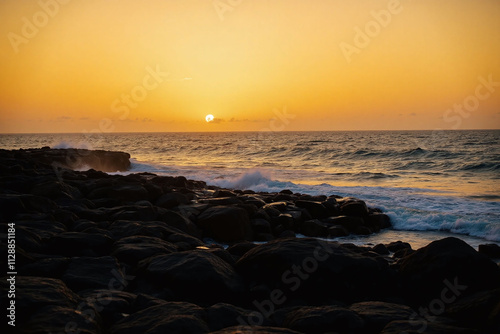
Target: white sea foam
column 410, row 209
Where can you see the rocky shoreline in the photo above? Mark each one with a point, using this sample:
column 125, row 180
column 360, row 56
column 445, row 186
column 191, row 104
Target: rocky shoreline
column 100, row 253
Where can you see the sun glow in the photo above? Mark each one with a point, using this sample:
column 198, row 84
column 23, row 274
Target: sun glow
column 209, row 118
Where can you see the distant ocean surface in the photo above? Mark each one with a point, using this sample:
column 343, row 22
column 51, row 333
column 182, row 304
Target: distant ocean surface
column 445, row 181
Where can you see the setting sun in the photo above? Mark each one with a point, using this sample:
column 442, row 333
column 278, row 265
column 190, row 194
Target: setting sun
column 209, row 118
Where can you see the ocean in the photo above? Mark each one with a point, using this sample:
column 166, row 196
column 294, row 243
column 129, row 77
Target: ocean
column 431, row 183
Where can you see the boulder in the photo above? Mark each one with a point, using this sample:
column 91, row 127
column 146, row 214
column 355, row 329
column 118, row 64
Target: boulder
column 448, row 264
column 137, row 248
column 225, row 223
column 59, row 319
column 194, row 276
column 80, row 244
column 315, row 209
column 323, row 319
column 307, row 266
column 255, row 330
column 490, row 250
column 428, row 327
column 314, row 228
column 172, row 199
column 353, row 207
column 223, row 315
column 94, row 273
column 378, row 314
column 169, row 317
column 34, row 293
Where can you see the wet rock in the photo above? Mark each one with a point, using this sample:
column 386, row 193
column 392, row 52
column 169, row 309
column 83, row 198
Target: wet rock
column 412, row 326
column 378, row 314
column 490, row 250
column 225, row 223
column 94, row 273
column 137, row 248
column 397, row 245
column 194, row 276
column 223, row 315
column 353, row 207
column 170, row 200
column 381, row 249
column 306, row 266
column 314, row 228
column 80, row 244
column 315, row 209
column 170, row 317
column 255, row 329
column 58, row 319
column 449, row 264
column 323, row 319
column 34, row 293
column 350, row 223
column 52, row 267
column 481, row 308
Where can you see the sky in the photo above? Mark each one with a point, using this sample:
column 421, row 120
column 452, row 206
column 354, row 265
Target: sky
column 280, row 65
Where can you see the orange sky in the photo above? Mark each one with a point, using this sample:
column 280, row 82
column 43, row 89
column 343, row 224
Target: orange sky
column 88, row 65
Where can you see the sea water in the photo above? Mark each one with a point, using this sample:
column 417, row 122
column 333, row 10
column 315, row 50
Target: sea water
column 431, row 183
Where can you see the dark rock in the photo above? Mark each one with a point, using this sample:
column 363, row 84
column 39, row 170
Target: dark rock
column 170, row 200
column 378, row 221
column 34, row 293
column 170, row 317
column 137, row 248
column 80, row 244
column 397, row 245
column 241, row 248
column 52, row 267
column 350, row 223
column 337, row 231
column 480, row 310
column 134, row 212
column 255, row 330
column 314, row 228
column 224, row 315
column 194, row 276
column 224, row 193
column 94, row 273
column 353, row 207
column 490, row 250
column 225, row 223
column 221, row 201
column 363, row 230
column 279, row 206
column 111, row 305
column 402, row 253
column 58, row 319
column 306, row 266
column 378, row 314
column 286, row 191
column 261, row 226
column 106, row 161
column 315, row 209
column 128, row 193
column 424, row 326
column 55, row 190
column 180, row 222
column 381, row 249
column 449, row 264
column 323, row 319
